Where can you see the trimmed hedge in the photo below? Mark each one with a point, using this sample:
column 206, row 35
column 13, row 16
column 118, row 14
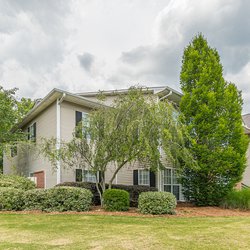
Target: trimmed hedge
column 157, row 203
column 116, row 200
column 11, row 198
column 67, row 199
column 237, row 199
column 134, row 191
column 15, row 181
column 34, row 199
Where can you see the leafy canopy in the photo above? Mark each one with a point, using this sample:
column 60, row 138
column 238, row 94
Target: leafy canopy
column 211, row 108
column 133, row 129
column 12, row 111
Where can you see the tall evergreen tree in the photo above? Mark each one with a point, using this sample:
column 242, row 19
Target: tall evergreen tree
column 211, row 108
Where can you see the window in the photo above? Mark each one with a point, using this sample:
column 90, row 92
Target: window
column 13, row 150
column 82, row 117
column 85, row 176
column 143, row 177
column 32, row 132
column 171, row 183
column 89, row 176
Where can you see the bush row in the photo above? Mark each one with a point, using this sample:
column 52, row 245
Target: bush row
column 134, row 191
column 54, row 199
column 80, row 199
column 237, row 199
column 15, row 181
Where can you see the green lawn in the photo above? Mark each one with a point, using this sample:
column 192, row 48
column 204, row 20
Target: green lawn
column 48, row 231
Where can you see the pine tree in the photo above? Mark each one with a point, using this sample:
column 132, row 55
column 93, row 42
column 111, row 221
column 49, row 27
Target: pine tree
column 211, row 108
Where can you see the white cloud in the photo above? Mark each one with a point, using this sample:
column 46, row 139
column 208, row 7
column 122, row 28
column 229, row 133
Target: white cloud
column 90, row 45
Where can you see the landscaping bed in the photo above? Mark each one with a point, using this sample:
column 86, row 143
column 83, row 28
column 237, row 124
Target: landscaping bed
column 182, row 210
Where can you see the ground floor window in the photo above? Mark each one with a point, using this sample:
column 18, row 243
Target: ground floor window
column 143, row 177
column 171, row 182
column 85, row 176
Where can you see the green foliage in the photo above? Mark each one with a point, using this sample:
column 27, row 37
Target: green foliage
column 11, row 198
column 133, row 190
column 131, row 130
column 67, row 199
column 15, row 181
column 34, row 199
column 211, row 109
column 116, row 200
column 157, row 203
column 237, row 199
column 12, row 111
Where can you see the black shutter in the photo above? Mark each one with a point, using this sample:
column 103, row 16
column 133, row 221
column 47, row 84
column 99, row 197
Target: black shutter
column 28, row 133
column 152, row 179
column 78, row 174
column 34, row 132
column 135, row 177
column 78, row 117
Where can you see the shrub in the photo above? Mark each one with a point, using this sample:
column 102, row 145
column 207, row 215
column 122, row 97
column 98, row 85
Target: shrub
column 134, row 191
column 15, row 181
column 87, row 185
column 11, row 198
column 116, row 200
column 237, row 199
column 67, row 199
column 34, row 199
column 157, row 203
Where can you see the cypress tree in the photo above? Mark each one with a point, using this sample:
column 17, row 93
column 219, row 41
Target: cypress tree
column 211, row 109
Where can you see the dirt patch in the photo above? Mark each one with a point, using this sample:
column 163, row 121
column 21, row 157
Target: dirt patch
column 182, row 210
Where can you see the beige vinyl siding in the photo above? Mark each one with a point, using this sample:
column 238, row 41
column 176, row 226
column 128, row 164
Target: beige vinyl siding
column 107, row 101
column 68, row 112
column 31, row 161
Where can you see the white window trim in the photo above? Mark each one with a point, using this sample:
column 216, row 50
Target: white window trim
column 172, row 184
column 29, row 127
column 139, row 181
column 88, row 180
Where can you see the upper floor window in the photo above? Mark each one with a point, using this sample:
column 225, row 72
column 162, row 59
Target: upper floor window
column 82, row 117
column 13, row 150
column 32, row 132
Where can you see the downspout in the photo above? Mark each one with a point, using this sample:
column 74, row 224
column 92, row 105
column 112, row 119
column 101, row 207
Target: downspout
column 160, row 184
column 58, row 135
column 165, row 96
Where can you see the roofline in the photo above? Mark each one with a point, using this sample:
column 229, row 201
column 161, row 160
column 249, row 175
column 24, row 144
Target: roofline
column 124, row 91
column 54, row 94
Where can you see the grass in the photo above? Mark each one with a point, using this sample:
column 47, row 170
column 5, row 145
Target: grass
column 60, row 231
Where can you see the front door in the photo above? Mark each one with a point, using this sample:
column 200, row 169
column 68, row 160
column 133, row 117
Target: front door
column 39, row 179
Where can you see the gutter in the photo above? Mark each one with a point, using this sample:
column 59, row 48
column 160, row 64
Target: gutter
column 165, row 96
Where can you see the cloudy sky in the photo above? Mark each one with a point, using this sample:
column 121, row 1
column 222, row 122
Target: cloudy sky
column 90, row 45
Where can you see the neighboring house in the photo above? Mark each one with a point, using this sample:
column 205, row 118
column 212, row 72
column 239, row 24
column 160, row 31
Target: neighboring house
column 56, row 115
column 246, row 125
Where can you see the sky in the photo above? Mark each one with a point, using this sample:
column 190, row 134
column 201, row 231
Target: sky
column 99, row 45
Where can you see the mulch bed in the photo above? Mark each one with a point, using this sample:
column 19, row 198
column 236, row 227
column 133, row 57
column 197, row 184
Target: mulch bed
column 182, row 210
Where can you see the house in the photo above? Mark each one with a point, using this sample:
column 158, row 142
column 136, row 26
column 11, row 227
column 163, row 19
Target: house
column 246, row 176
column 56, row 115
